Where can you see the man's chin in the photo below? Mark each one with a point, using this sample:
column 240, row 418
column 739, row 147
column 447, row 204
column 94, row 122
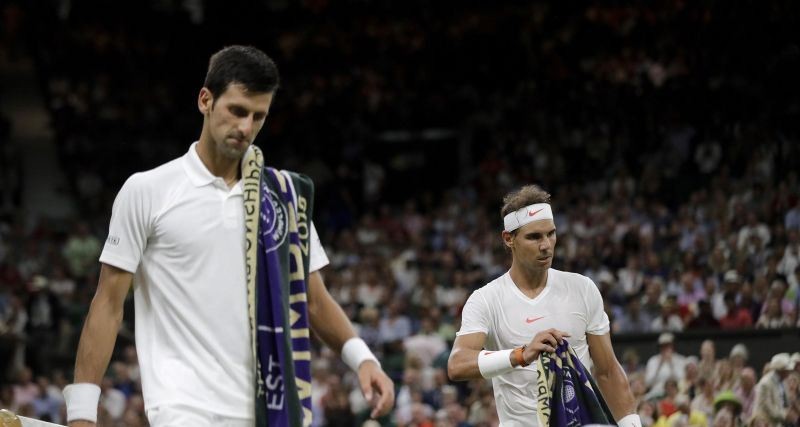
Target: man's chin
column 231, row 152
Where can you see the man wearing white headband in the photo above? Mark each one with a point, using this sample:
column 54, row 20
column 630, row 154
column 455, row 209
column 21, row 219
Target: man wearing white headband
column 531, row 309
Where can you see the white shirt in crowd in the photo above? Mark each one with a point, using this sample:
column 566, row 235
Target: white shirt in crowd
column 180, row 229
column 658, row 370
column 569, row 302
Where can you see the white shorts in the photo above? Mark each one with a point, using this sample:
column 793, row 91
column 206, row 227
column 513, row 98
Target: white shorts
column 182, row 416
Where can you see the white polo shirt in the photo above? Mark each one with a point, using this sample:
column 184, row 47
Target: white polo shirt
column 180, row 229
column 569, row 302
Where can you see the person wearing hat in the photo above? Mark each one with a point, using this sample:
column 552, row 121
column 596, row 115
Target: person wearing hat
column 664, row 365
column 738, row 360
column 770, row 401
column 730, row 283
column 727, row 400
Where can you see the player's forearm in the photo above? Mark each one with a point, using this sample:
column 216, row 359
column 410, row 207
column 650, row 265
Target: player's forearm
column 463, row 365
column 331, row 325
column 617, row 392
column 97, row 341
column 327, row 318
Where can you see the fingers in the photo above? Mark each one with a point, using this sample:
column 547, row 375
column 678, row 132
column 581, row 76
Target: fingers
column 386, row 401
column 365, row 382
column 548, row 340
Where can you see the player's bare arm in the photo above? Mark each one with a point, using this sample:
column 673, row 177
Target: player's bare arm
column 101, row 327
column 331, row 324
column 464, row 362
column 610, row 376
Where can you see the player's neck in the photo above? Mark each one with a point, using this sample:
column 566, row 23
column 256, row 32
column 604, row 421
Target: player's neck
column 218, row 165
column 527, row 279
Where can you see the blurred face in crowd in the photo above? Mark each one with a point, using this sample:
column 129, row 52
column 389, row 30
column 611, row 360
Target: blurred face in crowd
column 707, row 350
column 748, row 378
column 233, row 118
column 533, row 244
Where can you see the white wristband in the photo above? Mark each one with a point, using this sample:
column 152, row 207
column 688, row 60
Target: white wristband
column 630, row 420
column 494, row 363
column 355, row 352
column 82, row 400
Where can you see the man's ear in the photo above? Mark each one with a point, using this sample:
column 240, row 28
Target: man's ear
column 508, row 239
column 205, row 101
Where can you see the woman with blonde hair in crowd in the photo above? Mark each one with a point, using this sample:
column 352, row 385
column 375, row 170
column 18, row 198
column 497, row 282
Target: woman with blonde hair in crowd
column 704, row 401
column 708, row 359
column 725, row 378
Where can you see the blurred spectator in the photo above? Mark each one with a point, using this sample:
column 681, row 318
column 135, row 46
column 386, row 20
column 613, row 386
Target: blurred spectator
column 684, row 415
column 665, row 365
column 708, row 359
column 633, row 319
column 773, row 316
column 736, row 317
column 667, row 405
column 425, row 344
column 746, row 392
column 705, row 317
column 44, row 310
column 25, row 390
column 688, row 384
column 395, row 326
column 668, row 319
column 771, row 403
column 730, row 284
column 81, row 250
column 727, row 403
column 47, row 403
column 112, row 400
column 13, row 327
column 704, row 400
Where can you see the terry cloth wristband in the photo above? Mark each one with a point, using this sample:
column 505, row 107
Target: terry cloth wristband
column 494, row 363
column 82, row 400
column 355, row 352
column 631, row 420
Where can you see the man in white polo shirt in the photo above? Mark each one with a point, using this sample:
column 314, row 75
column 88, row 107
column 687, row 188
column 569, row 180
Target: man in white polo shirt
column 531, row 309
column 177, row 233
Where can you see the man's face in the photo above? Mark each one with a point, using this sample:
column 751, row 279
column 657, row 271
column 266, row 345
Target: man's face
column 534, row 244
column 234, row 118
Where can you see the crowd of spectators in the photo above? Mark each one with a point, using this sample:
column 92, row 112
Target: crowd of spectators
column 667, row 136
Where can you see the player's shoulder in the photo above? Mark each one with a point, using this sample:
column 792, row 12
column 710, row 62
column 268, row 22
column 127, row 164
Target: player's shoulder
column 156, row 179
column 568, row 275
column 570, row 279
column 489, row 290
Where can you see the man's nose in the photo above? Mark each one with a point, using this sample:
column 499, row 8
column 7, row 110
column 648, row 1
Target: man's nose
column 246, row 125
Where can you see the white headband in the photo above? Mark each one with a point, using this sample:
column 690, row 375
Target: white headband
column 527, row 215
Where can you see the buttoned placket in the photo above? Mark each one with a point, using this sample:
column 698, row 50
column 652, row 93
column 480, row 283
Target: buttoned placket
column 230, row 201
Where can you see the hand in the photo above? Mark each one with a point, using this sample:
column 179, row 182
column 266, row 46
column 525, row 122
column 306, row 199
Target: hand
column 543, row 341
column 82, row 423
column 378, row 389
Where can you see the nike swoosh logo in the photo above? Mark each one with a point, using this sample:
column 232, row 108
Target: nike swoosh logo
column 533, row 319
column 535, row 212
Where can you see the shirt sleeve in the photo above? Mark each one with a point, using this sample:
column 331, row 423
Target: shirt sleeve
column 475, row 315
column 129, row 227
column 316, row 253
column 596, row 318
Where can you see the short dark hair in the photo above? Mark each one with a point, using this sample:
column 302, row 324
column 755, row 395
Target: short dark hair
column 244, row 65
column 518, row 199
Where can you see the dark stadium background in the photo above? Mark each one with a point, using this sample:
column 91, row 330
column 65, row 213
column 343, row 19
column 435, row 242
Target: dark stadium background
column 660, row 128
